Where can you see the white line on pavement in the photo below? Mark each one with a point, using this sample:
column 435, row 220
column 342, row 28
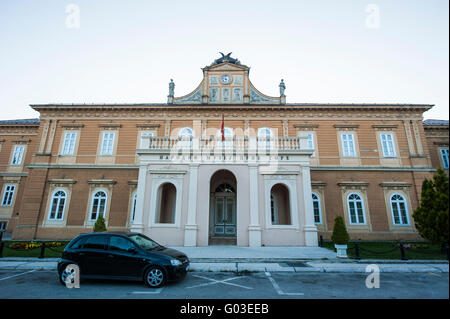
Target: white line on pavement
column 156, row 291
column 278, row 289
column 213, row 282
column 23, row 273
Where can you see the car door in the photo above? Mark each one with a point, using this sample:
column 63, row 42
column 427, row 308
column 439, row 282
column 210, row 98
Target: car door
column 124, row 258
column 93, row 256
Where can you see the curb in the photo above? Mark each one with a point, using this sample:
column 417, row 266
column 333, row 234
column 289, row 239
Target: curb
column 238, row 267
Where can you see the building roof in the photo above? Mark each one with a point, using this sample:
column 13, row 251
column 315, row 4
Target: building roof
column 432, row 122
column 34, row 121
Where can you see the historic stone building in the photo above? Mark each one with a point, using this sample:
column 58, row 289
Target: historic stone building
column 224, row 164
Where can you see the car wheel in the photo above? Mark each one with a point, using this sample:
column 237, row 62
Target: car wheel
column 155, row 277
column 66, row 272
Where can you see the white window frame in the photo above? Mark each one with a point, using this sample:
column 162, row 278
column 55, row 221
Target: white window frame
column 58, row 198
column 444, row 157
column 97, row 212
column 108, row 143
column 8, row 195
column 185, row 135
column 348, row 145
column 387, row 145
column 70, row 139
column 355, row 201
column 397, row 203
column 17, row 156
column 144, row 142
column 317, row 200
column 267, row 134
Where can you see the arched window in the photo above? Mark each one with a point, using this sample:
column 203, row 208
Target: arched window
column 399, row 210
column 57, row 205
column 166, row 201
column 280, row 205
column 316, row 209
column 185, row 132
column 265, row 136
column 133, row 207
column 228, row 135
column 98, row 206
column 185, row 135
column 225, row 188
column 355, row 209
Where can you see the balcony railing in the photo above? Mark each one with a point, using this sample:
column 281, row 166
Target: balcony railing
column 242, row 145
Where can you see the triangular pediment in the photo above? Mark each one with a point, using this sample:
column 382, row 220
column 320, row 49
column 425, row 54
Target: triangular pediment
column 226, row 67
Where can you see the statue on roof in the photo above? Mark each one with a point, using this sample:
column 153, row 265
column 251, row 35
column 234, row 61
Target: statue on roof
column 171, row 88
column 282, row 87
column 225, row 57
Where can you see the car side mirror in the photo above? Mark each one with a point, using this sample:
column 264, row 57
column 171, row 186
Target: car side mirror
column 132, row 250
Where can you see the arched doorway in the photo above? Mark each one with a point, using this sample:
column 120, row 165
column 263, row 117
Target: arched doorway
column 223, row 208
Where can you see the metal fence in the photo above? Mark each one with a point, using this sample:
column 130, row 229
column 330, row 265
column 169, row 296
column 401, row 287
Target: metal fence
column 357, row 249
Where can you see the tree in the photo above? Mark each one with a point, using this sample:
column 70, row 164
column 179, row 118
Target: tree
column 431, row 217
column 340, row 235
column 99, row 225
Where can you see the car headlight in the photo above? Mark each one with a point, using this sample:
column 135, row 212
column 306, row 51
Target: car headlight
column 175, row 262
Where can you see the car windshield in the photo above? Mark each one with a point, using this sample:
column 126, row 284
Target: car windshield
column 144, row 242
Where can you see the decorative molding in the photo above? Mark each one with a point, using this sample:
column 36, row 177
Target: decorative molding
column 144, row 126
column 61, row 181
column 306, row 126
column 102, row 182
column 318, row 184
column 21, row 141
column 353, row 185
column 346, row 126
column 385, row 127
column 72, row 126
column 110, row 126
column 395, row 185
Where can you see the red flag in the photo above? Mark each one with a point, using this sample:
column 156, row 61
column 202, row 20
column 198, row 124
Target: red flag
column 222, row 129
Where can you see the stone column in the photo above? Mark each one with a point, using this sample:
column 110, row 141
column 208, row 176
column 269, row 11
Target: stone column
column 309, row 228
column 190, row 229
column 254, row 229
column 138, row 223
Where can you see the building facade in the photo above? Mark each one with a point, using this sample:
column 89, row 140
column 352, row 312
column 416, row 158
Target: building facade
column 224, row 164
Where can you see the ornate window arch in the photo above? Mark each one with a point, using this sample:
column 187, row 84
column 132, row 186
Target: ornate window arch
column 317, row 208
column 58, row 205
column 399, row 209
column 356, row 212
column 98, row 205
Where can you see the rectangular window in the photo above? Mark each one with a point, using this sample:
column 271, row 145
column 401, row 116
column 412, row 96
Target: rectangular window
column 17, row 155
column 8, row 195
column 69, row 143
column 3, row 225
column 145, row 142
column 107, row 143
column 348, row 145
column 444, row 157
column 387, row 144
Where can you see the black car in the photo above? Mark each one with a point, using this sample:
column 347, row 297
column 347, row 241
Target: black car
column 129, row 256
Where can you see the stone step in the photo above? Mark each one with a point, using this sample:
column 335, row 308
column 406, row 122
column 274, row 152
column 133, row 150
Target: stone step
column 222, row 241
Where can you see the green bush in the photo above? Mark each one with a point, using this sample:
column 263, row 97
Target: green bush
column 99, row 225
column 340, row 235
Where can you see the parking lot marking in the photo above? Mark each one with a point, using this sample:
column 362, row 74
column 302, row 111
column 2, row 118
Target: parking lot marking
column 23, row 273
column 155, row 291
column 278, row 289
column 214, row 282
